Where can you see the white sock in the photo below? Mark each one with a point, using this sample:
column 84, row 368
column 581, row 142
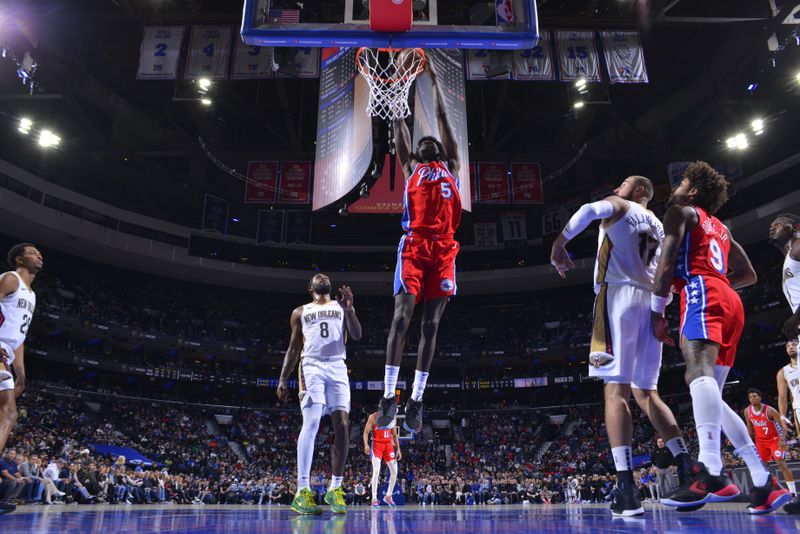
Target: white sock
column 392, row 477
column 707, row 407
column 420, row 379
column 677, row 446
column 336, row 482
column 305, row 444
column 736, row 431
column 390, row 380
column 623, row 458
column 792, row 487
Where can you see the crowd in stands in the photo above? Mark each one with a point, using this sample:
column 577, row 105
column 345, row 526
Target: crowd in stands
column 483, row 458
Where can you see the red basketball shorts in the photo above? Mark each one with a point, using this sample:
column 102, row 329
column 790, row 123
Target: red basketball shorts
column 383, row 450
column 711, row 310
column 426, row 268
column 769, row 450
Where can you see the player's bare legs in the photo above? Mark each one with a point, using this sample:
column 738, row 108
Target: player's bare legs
column 663, row 420
column 619, row 423
column 403, row 311
column 8, row 416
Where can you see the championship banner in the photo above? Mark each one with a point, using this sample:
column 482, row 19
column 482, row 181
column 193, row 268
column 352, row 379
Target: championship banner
column 473, row 181
column 251, row 62
column 159, row 53
column 270, row 226
column 485, row 234
column 535, row 63
column 215, row 214
column 486, row 64
column 295, row 182
column 624, row 56
column 384, row 196
column 448, row 64
column 209, row 49
column 493, row 183
column 526, row 183
column 306, row 64
column 262, row 182
column 577, row 55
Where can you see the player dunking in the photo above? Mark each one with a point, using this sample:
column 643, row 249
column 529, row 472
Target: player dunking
column 700, row 257
column 624, row 351
column 769, row 432
column 784, row 233
column 385, row 448
column 319, row 332
column 17, row 303
column 426, row 257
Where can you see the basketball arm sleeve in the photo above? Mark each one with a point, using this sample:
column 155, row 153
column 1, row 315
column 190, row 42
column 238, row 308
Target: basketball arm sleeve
column 585, row 215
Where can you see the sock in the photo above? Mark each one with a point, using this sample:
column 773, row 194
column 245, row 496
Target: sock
column 623, row 459
column 677, row 446
column 305, row 444
column 792, row 487
column 736, row 431
column 376, row 475
column 392, row 478
column 758, row 472
column 336, row 482
column 390, row 380
column 707, row 407
column 420, row 379
column 625, row 480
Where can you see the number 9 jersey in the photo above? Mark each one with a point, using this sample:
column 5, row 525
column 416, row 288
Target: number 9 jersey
column 16, row 312
column 710, row 308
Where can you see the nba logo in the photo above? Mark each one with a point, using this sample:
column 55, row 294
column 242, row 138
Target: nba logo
column 446, row 285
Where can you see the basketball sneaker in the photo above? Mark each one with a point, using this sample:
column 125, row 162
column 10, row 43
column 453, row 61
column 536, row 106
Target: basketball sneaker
column 413, row 420
column 7, row 507
column 626, row 503
column 793, row 507
column 387, row 411
column 303, row 503
column 702, row 487
column 335, row 498
column 376, row 505
column 389, row 500
column 768, row 498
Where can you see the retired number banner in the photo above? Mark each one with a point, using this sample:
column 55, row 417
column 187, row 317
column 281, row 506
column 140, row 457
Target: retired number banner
column 251, row 62
column 159, row 54
column 535, row 63
column 526, row 183
column 262, row 182
column 208, row 52
column 480, row 63
column 493, row 183
column 577, row 55
column 295, row 182
column 624, row 56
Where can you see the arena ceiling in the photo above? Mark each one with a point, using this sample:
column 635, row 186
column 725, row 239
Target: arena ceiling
column 135, row 143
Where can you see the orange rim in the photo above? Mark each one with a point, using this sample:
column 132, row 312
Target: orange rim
column 365, row 71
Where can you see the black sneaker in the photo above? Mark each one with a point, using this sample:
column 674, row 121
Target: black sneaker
column 387, row 411
column 700, row 488
column 6, row 507
column 768, row 498
column 626, row 503
column 413, row 421
column 793, row 507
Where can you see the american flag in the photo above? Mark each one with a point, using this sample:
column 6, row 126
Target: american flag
column 284, row 16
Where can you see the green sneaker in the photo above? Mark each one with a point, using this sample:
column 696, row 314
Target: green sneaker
column 303, row 503
column 336, row 499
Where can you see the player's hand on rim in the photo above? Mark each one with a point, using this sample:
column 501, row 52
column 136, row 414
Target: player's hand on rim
column 345, row 298
column 661, row 329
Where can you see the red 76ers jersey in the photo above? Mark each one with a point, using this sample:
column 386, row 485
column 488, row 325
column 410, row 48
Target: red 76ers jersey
column 704, row 251
column 764, row 428
column 432, row 201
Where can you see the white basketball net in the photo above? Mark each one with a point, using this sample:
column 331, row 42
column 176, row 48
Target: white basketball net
column 389, row 74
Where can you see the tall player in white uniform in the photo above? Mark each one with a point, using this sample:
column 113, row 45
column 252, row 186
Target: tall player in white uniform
column 624, row 351
column 784, row 233
column 17, row 303
column 319, row 332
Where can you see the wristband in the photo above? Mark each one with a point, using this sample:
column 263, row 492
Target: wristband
column 658, row 304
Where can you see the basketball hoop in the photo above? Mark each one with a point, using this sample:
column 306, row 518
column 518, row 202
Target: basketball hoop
column 389, row 72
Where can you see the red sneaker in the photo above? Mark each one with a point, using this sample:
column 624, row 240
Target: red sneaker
column 768, row 498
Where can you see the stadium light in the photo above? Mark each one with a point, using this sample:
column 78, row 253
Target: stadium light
column 48, row 139
column 797, row 77
column 737, row 142
column 204, row 84
column 580, row 83
column 205, row 101
column 758, row 126
column 579, row 104
column 25, row 125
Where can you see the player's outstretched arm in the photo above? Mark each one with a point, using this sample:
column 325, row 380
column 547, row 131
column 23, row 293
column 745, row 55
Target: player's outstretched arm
column 773, row 414
column 367, row 430
column 602, row 209
column 448, row 137
column 741, row 273
column 292, row 353
column 345, row 300
column 677, row 221
column 402, row 145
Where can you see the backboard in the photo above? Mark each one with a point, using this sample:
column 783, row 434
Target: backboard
column 508, row 25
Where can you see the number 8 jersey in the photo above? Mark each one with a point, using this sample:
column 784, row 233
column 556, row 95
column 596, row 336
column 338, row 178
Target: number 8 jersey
column 16, row 312
column 323, row 331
